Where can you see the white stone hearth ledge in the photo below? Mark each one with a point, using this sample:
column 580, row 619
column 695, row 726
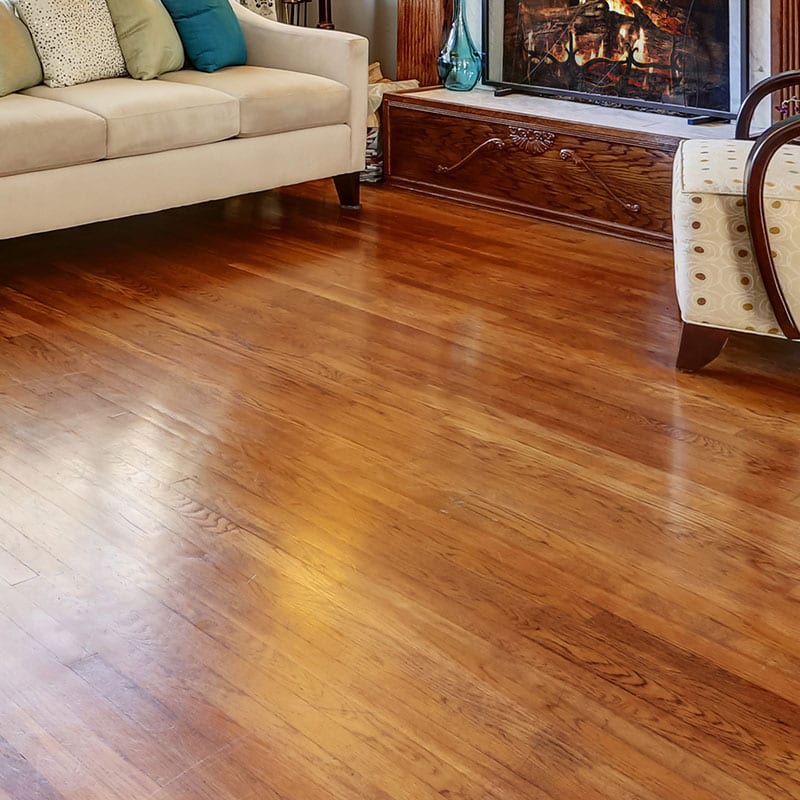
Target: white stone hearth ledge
column 551, row 108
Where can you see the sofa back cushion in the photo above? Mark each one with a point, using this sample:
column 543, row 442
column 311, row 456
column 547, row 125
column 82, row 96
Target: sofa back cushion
column 210, row 32
column 147, row 37
column 19, row 64
column 75, row 40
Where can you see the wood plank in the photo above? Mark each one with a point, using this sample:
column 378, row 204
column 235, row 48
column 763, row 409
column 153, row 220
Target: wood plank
column 405, row 505
column 12, row 570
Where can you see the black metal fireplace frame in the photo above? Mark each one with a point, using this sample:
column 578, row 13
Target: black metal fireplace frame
column 739, row 13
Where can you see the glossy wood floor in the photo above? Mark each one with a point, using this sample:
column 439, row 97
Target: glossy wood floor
column 297, row 504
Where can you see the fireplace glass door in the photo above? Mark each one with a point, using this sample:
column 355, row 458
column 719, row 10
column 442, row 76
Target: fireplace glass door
column 684, row 56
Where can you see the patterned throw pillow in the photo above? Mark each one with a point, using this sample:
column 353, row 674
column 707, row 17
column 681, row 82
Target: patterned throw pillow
column 75, row 40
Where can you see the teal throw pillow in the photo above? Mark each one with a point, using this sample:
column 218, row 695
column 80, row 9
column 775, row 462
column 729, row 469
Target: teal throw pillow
column 210, row 32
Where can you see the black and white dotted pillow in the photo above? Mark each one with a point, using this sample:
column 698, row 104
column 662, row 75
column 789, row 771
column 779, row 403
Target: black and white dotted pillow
column 75, row 40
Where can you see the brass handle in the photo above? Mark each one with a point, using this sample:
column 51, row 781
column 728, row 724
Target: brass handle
column 570, row 155
column 494, row 142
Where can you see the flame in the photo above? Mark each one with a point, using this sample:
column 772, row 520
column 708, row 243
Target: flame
column 588, row 55
column 641, row 46
column 621, row 7
column 624, row 7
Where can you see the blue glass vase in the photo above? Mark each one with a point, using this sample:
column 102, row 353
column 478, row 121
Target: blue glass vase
column 459, row 63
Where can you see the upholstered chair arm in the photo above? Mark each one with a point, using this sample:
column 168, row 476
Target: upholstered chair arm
column 331, row 54
column 774, row 83
column 342, row 57
column 764, row 149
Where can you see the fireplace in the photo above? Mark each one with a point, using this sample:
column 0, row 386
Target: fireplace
column 683, row 56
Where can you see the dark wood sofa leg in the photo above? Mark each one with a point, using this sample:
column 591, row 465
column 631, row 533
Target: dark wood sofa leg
column 349, row 190
column 699, row 346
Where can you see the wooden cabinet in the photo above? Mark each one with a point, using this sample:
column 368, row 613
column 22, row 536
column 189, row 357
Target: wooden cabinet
column 590, row 175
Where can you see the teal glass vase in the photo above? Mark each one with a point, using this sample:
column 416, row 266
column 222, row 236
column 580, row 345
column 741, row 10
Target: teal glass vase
column 459, row 63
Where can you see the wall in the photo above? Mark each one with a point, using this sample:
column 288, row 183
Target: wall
column 375, row 19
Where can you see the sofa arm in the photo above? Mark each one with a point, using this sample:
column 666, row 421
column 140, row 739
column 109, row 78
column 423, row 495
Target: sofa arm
column 342, row 57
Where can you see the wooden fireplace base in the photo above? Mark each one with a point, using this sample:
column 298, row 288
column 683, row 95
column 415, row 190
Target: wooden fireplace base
column 586, row 166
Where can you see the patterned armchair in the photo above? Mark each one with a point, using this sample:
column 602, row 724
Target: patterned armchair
column 736, row 231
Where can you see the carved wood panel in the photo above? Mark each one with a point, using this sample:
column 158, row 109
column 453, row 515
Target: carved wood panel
column 582, row 177
column 420, row 32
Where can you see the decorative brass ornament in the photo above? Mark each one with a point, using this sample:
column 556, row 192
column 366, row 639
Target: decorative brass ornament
column 570, row 155
column 529, row 140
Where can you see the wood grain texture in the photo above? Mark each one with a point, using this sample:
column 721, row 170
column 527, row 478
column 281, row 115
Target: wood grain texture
column 785, row 35
column 614, row 170
column 421, row 26
column 785, row 38
column 409, row 504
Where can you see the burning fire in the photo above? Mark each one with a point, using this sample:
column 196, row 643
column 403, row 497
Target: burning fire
column 641, row 46
column 633, row 38
column 630, row 37
column 619, row 6
column 587, row 55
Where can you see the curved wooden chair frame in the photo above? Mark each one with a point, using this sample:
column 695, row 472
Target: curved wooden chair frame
column 700, row 344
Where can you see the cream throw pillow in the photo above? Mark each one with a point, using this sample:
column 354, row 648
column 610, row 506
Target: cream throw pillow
column 75, row 40
column 147, row 37
column 19, row 64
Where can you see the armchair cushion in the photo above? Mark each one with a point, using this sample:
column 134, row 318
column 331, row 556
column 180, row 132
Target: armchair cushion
column 717, row 280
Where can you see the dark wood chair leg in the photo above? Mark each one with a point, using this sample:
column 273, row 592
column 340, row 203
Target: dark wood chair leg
column 699, row 346
column 349, row 190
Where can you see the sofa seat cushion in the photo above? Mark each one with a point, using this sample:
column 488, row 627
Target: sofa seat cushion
column 711, row 234
column 274, row 100
column 38, row 134
column 151, row 116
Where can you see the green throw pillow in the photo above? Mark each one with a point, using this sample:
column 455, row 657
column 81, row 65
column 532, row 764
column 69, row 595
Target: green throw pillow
column 19, row 64
column 147, row 37
column 210, row 32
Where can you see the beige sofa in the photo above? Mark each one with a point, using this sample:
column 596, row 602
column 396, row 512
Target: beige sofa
column 117, row 147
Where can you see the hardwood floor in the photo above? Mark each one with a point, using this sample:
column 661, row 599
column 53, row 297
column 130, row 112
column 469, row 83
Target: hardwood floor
column 301, row 504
